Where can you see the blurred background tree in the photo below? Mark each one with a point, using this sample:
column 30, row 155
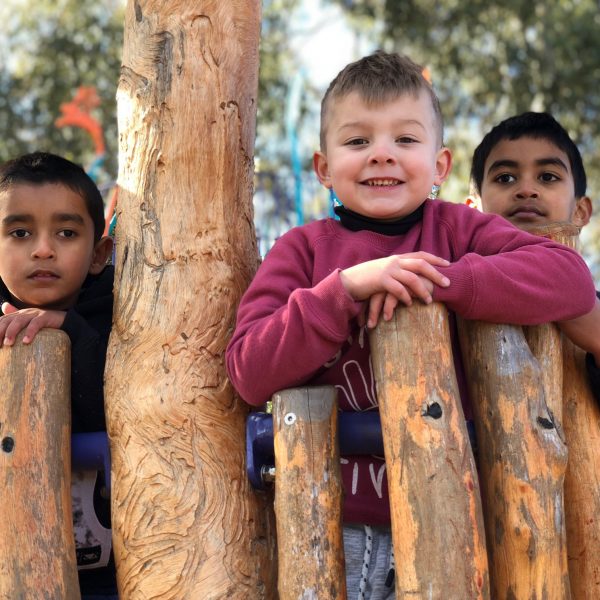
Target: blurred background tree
column 50, row 48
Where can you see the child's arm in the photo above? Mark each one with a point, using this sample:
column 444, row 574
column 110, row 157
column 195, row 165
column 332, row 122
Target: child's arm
column 29, row 319
column 585, row 333
column 288, row 326
column 505, row 275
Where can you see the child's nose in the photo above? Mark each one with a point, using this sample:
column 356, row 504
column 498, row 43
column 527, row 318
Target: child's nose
column 382, row 153
column 526, row 191
column 527, row 188
column 43, row 248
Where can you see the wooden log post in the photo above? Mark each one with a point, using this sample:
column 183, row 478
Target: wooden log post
column 437, row 523
column 581, row 424
column 185, row 522
column 308, row 494
column 37, row 552
column 522, row 462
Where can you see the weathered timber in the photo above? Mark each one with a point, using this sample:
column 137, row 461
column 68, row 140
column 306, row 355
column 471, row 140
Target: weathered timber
column 185, row 522
column 581, row 423
column 308, row 494
column 37, row 553
column 522, row 462
column 437, row 522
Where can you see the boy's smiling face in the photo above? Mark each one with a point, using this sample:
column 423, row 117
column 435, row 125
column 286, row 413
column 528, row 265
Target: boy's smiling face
column 529, row 182
column 382, row 160
column 47, row 245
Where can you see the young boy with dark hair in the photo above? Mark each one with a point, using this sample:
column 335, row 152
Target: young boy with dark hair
column 54, row 274
column 528, row 170
column 301, row 320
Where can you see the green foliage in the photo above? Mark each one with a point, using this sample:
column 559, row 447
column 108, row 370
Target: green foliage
column 53, row 47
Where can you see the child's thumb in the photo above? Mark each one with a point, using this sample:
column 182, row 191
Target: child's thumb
column 8, row 308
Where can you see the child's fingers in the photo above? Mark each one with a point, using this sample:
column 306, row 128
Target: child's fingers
column 425, row 269
column 432, row 259
column 16, row 324
column 390, row 304
column 406, row 285
column 375, row 306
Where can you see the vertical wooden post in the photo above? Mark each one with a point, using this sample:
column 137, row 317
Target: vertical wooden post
column 581, row 424
column 522, row 461
column 37, row 548
column 308, row 494
column 437, row 522
column 185, row 522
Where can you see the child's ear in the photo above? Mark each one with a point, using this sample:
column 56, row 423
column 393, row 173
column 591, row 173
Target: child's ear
column 101, row 254
column 583, row 211
column 443, row 166
column 321, row 167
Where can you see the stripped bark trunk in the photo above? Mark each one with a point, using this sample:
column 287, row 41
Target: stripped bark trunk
column 37, row 553
column 522, row 462
column 581, row 423
column 437, row 522
column 185, row 522
column 308, row 494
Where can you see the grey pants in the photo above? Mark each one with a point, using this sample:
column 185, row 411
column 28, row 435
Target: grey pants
column 369, row 562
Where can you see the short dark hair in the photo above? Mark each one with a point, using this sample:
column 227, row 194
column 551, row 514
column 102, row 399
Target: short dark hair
column 377, row 78
column 38, row 168
column 534, row 125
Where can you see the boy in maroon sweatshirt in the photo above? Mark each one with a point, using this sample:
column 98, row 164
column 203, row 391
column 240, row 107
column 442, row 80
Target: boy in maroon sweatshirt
column 302, row 320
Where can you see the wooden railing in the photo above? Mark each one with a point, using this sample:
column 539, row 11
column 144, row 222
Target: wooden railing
column 523, row 524
column 37, row 549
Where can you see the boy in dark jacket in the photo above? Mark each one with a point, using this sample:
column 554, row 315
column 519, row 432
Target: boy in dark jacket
column 528, row 170
column 54, row 274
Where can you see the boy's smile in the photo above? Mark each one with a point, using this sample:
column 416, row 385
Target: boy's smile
column 529, row 182
column 46, row 245
column 382, row 160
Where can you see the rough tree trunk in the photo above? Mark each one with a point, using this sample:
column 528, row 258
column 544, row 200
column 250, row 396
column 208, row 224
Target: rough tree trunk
column 437, row 523
column 308, row 494
column 581, row 423
column 37, row 548
column 522, row 462
column 185, row 523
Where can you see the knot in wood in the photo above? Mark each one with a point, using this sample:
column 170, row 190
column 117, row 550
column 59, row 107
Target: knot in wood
column 8, row 444
column 545, row 423
column 434, row 410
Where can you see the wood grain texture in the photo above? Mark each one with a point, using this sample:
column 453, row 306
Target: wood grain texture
column 37, row 553
column 308, row 495
column 522, row 461
column 437, row 522
column 581, row 423
column 185, row 522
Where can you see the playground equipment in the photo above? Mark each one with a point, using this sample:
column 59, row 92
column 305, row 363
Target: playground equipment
column 186, row 522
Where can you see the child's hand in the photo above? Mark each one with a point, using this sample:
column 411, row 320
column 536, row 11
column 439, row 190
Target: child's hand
column 585, row 331
column 30, row 319
column 388, row 281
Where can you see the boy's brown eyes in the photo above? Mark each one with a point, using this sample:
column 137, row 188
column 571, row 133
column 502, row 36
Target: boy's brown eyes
column 19, row 233
column 505, row 178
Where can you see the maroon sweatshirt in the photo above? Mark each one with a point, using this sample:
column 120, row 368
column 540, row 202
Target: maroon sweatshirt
column 297, row 326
